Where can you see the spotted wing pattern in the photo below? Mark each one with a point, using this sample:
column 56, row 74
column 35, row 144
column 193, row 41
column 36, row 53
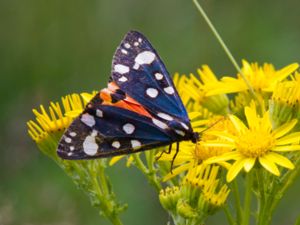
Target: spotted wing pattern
column 104, row 130
column 138, row 70
column 139, row 110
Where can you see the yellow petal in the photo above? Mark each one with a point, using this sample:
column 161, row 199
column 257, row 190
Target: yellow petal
column 280, row 160
column 284, row 72
column 115, row 159
column 73, row 113
column 218, row 144
column 87, row 96
column 286, row 148
column 225, row 157
column 269, row 165
column 222, row 135
column 235, row 169
column 288, row 139
column 251, row 117
column 238, row 124
column 249, row 163
column 193, row 115
column 177, row 171
column 282, row 130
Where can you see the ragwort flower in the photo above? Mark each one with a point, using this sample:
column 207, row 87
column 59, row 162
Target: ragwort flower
column 257, row 142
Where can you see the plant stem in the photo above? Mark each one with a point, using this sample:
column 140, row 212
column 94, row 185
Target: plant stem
column 140, row 165
column 228, row 215
column 247, row 200
column 237, row 201
column 222, row 43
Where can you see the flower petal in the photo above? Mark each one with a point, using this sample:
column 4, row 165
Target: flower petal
column 177, row 171
column 223, row 135
column 249, row 163
column 238, row 124
column 251, row 116
column 288, row 139
column 235, row 169
column 269, row 165
column 280, row 160
column 218, row 144
column 286, row 148
column 225, row 157
column 284, row 72
column 115, row 159
column 282, row 130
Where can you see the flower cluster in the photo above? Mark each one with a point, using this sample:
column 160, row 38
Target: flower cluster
column 247, row 134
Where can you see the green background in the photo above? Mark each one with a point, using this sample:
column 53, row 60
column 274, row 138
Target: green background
column 52, row 48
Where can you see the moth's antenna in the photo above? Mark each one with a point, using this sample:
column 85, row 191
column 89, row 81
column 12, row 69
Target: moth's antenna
column 212, row 125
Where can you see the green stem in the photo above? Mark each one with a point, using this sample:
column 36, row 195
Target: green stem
column 237, row 201
column 247, row 200
column 101, row 186
column 140, row 165
column 228, row 215
column 222, row 43
column 287, row 181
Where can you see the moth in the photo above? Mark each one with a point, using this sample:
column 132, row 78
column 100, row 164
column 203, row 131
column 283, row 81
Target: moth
column 139, row 110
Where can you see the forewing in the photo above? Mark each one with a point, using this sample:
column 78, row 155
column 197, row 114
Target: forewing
column 106, row 131
column 138, row 70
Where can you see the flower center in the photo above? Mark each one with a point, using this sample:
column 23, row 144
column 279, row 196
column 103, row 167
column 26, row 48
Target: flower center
column 253, row 144
column 203, row 152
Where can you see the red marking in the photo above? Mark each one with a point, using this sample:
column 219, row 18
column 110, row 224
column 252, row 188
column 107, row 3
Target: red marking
column 128, row 103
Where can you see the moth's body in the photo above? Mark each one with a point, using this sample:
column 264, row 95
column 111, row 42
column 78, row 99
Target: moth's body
column 139, row 110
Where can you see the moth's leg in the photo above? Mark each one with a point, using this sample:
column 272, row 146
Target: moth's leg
column 166, row 152
column 174, row 157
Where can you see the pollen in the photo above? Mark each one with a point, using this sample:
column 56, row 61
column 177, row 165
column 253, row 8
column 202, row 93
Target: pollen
column 254, row 144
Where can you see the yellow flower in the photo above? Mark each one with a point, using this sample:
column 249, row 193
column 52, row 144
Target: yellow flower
column 191, row 154
column 263, row 78
column 257, row 142
column 48, row 126
column 285, row 101
column 193, row 91
column 206, row 178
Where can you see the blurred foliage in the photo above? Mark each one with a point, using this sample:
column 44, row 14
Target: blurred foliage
column 52, row 48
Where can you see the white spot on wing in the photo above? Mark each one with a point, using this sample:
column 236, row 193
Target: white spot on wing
column 184, row 126
column 135, row 144
column 124, row 51
column 165, row 116
column 90, row 147
column 116, row 144
column 136, row 43
column 88, row 120
column 127, row 45
column 158, row 76
column 180, row 132
column 73, row 134
column 145, row 57
column 68, row 140
column 152, row 92
column 159, row 124
column 119, row 68
column 140, row 40
column 128, row 128
column 123, row 79
column 169, row 90
column 99, row 113
column 136, row 66
column 72, row 148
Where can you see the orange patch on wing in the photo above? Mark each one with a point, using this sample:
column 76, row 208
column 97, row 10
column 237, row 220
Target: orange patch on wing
column 128, row 103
